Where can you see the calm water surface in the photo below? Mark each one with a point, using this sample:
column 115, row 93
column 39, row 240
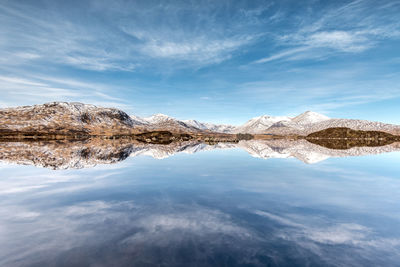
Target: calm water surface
column 212, row 208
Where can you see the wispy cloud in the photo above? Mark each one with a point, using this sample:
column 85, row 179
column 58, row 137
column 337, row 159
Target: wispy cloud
column 313, row 233
column 124, row 36
column 326, row 96
column 199, row 50
column 40, row 89
column 340, row 40
column 349, row 28
column 282, row 54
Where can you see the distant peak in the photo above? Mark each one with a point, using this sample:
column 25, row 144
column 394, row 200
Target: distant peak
column 309, row 112
column 312, row 113
column 67, row 103
column 77, row 105
column 273, row 118
column 159, row 117
column 309, row 117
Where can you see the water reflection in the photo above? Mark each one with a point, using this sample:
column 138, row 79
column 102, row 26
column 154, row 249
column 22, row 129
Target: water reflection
column 215, row 208
column 88, row 153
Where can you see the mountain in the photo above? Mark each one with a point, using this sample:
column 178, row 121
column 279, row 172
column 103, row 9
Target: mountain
column 77, row 119
column 309, row 122
column 164, row 122
column 218, row 128
column 361, row 125
column 302, row 124
column 66, row 119
column 161, row 121
column 158, row 118
column 263, row 124
column 138, row 121
column 260, row 124
column 309, row 117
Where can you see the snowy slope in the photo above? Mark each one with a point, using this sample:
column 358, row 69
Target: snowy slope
column 303, row 124
column 158, row 118
column 219, row 128
column 308, row 122
column 165, row 122
column 362, row 125
column 157, row 121
column 309, row 117
column 260, row 124
column 66, row 117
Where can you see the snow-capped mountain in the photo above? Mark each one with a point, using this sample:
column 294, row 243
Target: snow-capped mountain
column 302, row 124
column 218, row 128
column 158, row 118
column 66, row 118
column 138, row 120
column 81, row 119
column 157, row 121
column 165, row 122
column 260, row 124
column 305, row 129
column 309, row 122
column 264, row 124
column 309, row 117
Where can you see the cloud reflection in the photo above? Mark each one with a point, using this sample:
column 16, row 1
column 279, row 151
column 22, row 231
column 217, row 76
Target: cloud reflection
column 243, row 212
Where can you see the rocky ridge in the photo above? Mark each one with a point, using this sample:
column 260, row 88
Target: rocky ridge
column 81, row 120
column 62, row 118
column 303, row 124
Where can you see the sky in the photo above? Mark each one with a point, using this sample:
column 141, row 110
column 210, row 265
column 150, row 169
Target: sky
column 215, row 61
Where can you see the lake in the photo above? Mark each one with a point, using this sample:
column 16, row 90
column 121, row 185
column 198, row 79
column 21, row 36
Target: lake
column 248, row 204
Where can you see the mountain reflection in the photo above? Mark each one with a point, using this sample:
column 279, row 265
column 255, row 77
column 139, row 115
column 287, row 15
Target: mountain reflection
column 65, row 154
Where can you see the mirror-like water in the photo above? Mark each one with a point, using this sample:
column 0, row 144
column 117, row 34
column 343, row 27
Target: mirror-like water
column 217, row 207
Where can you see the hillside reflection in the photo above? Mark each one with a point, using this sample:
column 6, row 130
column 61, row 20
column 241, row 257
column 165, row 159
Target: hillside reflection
column 64, row 154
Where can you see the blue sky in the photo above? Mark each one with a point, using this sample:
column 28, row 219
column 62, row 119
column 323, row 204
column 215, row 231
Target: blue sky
column 218, row 61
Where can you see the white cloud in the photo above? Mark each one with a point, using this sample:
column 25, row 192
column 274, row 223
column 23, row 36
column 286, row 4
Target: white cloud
column 340, row 40
column 282, row 54
column 200, row 50
column 15, row 80
column 309, row 45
